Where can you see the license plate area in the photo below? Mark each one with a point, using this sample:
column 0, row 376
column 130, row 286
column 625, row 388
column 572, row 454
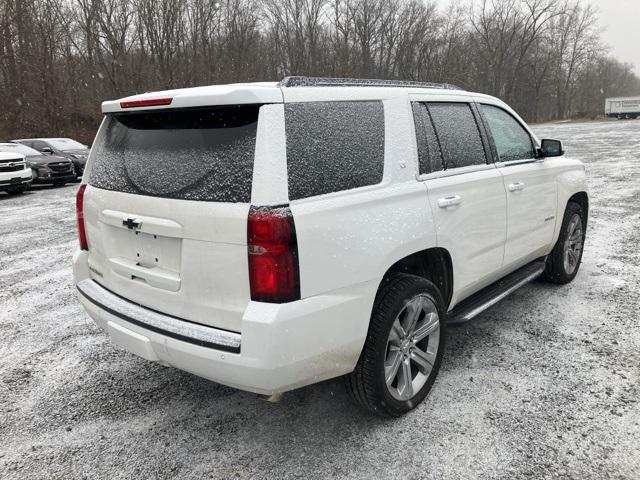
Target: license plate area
column 153, row 251
column 144, row 250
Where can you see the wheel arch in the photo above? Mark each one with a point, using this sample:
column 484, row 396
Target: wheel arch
column 434, row 264
column 582, row 199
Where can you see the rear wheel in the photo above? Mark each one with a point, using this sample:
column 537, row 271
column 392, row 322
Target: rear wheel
column 565, row 258
column 403, row 350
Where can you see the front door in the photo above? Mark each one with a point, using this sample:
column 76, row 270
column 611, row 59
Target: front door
column 530, row 186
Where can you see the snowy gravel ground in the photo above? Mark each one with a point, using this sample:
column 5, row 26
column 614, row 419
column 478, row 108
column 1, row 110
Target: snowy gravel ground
column 543, row 385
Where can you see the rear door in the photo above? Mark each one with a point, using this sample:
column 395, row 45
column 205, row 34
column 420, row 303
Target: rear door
column 465, row 190
column 530, row 185
column 166, row 210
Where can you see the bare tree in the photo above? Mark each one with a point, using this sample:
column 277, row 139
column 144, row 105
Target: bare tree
column 60, row 58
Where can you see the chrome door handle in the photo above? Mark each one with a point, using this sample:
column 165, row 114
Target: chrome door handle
column 516, row 187
column 449, row 201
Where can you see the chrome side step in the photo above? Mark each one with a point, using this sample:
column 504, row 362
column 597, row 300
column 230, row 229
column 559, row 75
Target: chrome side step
column 489, row 296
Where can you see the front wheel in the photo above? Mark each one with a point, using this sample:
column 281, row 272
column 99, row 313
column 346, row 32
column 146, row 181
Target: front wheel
column 565, row 258
column 403, row 350
column 17, row 190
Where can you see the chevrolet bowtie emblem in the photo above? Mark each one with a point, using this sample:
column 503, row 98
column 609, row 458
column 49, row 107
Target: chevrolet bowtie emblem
column 132, row 223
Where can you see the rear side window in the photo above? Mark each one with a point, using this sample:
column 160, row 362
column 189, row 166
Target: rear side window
column 333, row 146
column 458, row 134
column 512, row 141
column 191, row 154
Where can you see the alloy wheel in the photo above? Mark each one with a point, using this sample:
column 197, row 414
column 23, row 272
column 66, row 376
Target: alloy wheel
column 573, row 244
column 412, row 348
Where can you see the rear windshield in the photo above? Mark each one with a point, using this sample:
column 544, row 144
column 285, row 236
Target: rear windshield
column 192, row 154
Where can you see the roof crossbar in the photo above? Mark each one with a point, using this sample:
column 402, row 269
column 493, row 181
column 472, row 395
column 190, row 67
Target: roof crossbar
column 300, row 81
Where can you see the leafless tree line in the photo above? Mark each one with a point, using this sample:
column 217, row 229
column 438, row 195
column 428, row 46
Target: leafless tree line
column 60, row 58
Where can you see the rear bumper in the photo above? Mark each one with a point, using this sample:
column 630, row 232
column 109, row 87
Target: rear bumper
column 281, row 346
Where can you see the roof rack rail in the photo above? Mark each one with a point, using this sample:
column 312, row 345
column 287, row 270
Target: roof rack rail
column 300, row 81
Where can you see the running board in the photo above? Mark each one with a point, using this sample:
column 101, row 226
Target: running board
column 489, row 296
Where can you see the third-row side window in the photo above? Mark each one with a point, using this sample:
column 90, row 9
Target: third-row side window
column 333, row 146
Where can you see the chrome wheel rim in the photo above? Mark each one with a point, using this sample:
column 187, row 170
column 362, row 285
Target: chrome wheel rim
column 412, row 348
column 573, row 244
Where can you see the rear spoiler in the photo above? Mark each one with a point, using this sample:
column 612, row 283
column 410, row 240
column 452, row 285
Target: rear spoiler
column 197, row 97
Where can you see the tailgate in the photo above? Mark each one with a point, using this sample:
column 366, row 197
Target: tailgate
column 168, row 256
column 166, row 210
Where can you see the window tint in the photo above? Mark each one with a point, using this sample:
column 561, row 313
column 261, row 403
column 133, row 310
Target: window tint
column 333, row 146
column 196, row 154
column 458, row 134
column 429, row 154
column 511, row 140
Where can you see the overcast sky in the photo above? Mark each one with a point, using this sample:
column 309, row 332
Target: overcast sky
column 621, row 21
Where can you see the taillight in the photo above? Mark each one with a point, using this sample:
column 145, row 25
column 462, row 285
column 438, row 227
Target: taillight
column 82, row 234
column 273, row 255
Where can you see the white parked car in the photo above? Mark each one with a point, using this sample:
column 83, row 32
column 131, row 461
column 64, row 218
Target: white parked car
column 272, row 235
column 15, row 176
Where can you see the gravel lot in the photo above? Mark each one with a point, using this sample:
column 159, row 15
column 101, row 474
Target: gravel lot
column 543, row 385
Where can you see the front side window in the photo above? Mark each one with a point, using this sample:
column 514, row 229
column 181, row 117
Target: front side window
column 512, row 141
column 333, row 146
column 458, row 134
column 189, row 154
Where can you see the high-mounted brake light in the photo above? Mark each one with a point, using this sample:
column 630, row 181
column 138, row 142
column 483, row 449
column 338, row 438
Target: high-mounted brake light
column 82, row 234
column 148, row 102
column 274, row 274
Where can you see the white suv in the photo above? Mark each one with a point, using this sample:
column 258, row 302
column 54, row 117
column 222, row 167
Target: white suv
column 15, row 175
column 272, row 235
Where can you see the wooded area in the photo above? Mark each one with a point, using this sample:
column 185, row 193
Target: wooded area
column 60, row 58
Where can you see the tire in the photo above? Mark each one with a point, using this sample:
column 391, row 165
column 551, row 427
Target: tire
column 399, row 294
column 17, row 190
column 564, row 261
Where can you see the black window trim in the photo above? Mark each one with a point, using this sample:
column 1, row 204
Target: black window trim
column 494, row 150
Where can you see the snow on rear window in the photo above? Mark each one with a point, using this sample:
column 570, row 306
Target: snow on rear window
column 192, row 154
column 333, row 146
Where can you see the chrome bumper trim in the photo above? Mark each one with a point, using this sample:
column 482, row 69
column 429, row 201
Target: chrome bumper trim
column 178, row 328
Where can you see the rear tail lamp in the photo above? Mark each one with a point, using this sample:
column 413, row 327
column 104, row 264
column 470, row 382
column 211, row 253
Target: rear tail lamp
column 82, row 234
column 274, row 274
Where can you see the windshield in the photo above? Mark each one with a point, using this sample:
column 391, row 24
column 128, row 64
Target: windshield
column 17, row 148
column 66, row 144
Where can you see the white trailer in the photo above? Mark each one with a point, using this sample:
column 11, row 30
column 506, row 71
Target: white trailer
column 622, row 107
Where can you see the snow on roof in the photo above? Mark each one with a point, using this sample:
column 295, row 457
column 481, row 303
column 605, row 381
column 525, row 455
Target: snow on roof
column 290, row 89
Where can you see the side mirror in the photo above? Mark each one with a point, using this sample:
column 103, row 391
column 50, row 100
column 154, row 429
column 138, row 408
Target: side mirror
column 47, row 150
column 551, row 148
